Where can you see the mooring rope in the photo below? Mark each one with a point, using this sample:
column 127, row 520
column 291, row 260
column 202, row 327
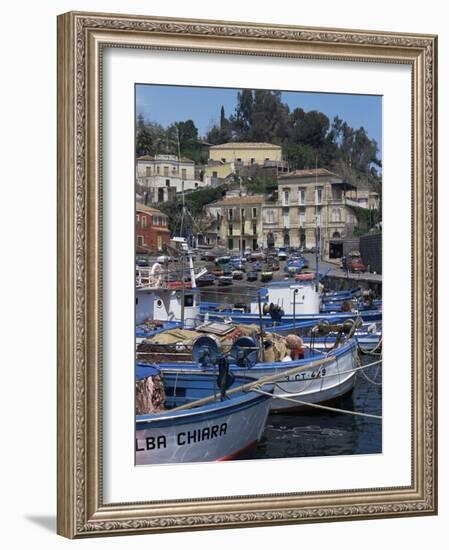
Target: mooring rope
column 370, row 380
column 289, row 397
column 371, row 351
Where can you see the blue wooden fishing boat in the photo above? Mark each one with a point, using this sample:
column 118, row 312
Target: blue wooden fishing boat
column 221, row 429
column 368, row 336
column 340, row 295
column 317, row 382
column 286, row 302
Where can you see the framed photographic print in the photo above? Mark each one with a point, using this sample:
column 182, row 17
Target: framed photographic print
column 247, row 274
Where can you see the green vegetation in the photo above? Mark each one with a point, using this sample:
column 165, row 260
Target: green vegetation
column 366, row 219
column 195, row 203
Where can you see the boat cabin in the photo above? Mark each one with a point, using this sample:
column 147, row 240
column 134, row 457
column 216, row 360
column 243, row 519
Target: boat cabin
column 163, row 304
column 299, row 298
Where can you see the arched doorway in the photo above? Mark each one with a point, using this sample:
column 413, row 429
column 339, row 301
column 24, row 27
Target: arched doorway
column 286, row 239
column 270, row 240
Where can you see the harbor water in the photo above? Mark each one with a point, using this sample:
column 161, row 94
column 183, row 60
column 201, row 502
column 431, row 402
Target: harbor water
column 314, row 432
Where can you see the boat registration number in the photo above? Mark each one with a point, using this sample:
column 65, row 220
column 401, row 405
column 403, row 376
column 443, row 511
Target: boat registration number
column 320, row 373
column 190, row 437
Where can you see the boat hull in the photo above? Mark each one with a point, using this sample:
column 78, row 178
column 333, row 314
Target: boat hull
column 316, row 384
column 219, row 434
column 368, row 316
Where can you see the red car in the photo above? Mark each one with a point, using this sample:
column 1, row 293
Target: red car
column 356, row 264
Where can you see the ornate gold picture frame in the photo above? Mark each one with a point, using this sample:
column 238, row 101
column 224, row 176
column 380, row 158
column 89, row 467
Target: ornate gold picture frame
column 82, row 38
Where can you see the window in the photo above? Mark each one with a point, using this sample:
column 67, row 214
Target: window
column 188, row 300
column 269, row 215
column 318, row 216
column 230, row 214
column 254, row 212
column 302, row 217
column 137, row 219
column 336, row 215
column 215, row 174
column 160, row 194
column 301, row 195
column 319, row 195
column 166, row 170
column 183, row 173
column 230, row 244
column 336, row 193
column 140, row 240
column 144, row 222
column 155, row 220
column 167, row 183
column 285, row 196
column 254, row 229
column 253, row 161
column 158, row 169
column 148, row 170
column 286, row 218
column 242, row 213
column 196, row 184
column 223, row 160
column 239, row 160
column 230, row 228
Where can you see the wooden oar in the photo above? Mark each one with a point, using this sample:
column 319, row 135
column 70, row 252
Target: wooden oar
column 255, row 384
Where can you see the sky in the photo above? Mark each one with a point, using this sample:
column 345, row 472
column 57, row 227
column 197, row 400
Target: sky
column 168, row 104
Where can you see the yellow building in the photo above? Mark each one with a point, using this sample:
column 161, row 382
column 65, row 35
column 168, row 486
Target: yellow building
column 218, row 172
column 246, row 153
column 239, row 221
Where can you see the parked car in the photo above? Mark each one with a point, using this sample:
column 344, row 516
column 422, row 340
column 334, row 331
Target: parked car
column 266, row 276
column 224, row 280
column 355, row 264
column 142, row 261
column 273, row 264
column 252, row 276
column 205, row 280
column 283, row 253
column 257, row 255
column 237, row 263
column 227, row 270
column 238, row 274
column 222, row 260
column 217, row 271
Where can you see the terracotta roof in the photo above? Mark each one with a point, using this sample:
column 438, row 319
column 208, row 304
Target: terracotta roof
column 236, row 201
column 149, row 209
column 245, row 145
column 309, row 173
